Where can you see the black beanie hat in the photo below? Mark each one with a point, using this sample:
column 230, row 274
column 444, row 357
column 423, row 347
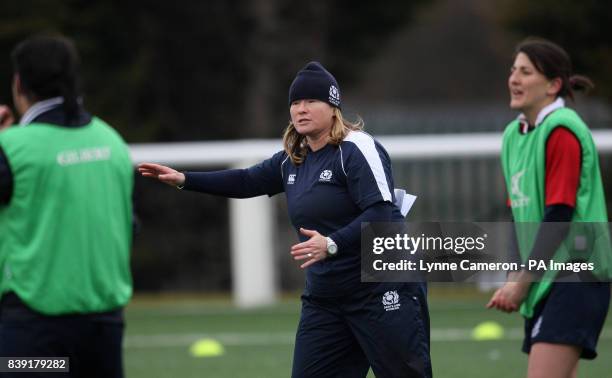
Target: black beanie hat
column 315, row 82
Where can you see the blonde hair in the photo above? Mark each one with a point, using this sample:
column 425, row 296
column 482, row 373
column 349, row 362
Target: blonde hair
column 295, row 144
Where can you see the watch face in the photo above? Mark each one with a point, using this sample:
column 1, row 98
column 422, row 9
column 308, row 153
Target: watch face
column 332, row 249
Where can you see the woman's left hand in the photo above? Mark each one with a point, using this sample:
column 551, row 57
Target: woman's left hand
column 314, row 249
column 509, row 297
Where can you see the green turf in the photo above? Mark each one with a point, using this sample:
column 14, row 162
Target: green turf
column 259, row 343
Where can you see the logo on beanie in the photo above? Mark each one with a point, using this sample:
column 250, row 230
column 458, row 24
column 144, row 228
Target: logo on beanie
column 334, row 95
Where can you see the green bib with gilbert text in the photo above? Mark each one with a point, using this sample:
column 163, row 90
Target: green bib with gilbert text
column 65, row 235
column 524, row 163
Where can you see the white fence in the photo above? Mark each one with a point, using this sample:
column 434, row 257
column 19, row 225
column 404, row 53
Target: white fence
column 251, row 220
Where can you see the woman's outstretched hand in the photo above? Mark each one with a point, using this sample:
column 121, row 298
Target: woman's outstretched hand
column 162, row 173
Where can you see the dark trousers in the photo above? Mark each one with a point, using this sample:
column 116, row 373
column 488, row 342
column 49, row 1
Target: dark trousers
column 385, row 326
column 573, row 313
column 92, row 342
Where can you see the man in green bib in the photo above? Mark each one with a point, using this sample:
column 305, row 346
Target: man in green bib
column 66, row 182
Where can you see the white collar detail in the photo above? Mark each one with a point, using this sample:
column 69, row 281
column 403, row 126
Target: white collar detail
column 40, row 108
column 557, row 104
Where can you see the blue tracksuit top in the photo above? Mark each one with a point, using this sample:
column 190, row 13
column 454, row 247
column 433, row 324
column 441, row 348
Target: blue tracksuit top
column 332, row 188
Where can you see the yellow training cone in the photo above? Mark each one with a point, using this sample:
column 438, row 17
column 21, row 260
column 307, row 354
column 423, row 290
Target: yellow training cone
column 488, row 331
column 206, row 348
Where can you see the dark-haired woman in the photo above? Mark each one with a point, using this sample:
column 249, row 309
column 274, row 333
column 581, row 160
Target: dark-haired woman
column 334, row 177
column 552, row 174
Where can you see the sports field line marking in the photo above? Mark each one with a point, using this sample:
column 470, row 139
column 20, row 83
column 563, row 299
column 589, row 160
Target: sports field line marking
column 229, row 339
column 287, row 338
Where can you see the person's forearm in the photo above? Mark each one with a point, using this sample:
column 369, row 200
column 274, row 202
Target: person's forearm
column 550, row 237
column 514, row 255
column 350, row 235
column 233, row 183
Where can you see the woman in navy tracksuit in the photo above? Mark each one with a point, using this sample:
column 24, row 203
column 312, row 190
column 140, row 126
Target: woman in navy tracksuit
column 335, row 177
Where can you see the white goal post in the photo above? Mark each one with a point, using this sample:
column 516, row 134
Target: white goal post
column 251, row 220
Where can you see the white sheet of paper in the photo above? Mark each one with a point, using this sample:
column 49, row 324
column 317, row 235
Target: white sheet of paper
column 407, row 203
column 404, row 201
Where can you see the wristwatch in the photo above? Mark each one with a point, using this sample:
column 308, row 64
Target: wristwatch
column 332, row 247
